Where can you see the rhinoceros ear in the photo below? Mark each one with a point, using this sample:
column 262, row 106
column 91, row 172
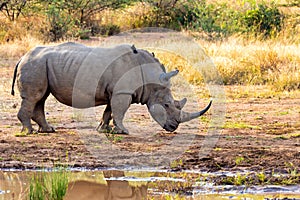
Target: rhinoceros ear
column 165, row 77
column 180, row 104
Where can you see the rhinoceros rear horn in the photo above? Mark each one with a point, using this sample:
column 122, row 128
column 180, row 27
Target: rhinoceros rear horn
column 164, row 77
column 180, row 104
column 185, row 116
column 134, row 49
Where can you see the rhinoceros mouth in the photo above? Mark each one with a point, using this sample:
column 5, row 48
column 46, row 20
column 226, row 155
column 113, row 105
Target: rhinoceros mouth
column 171, row 127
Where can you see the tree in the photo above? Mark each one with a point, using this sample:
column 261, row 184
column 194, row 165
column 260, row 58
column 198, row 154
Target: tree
column 60, row 22
column 12, row 9
column 84, row 9
column 66, row 15
column 163, row 10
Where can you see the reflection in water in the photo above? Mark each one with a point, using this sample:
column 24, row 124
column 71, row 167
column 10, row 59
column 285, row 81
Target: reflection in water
column 12, row 186
column 141, row 185
column 112, row 190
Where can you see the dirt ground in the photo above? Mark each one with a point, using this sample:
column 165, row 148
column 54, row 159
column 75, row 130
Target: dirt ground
column 259, row 133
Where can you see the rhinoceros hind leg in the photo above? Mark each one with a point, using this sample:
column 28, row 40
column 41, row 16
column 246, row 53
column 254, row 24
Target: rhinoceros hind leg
column 104, row 124
column 24, row 115
column 39, row 116
column 120, row 104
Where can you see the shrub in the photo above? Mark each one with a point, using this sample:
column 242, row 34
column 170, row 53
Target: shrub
column 222, row 20
column 263, row 19
column 105, row 30
column 214, row 19
column 60, row 22
column 198, row 15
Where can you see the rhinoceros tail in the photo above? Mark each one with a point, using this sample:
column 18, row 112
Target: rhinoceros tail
column 14, row 79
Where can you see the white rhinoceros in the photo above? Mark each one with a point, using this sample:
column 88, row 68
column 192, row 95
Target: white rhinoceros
column 82, row 77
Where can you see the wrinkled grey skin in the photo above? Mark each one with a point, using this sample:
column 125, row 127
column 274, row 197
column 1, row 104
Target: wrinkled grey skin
column 82, row 77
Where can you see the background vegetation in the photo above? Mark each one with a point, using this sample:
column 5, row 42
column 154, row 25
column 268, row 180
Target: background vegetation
column 250, row 41
column 60, row 19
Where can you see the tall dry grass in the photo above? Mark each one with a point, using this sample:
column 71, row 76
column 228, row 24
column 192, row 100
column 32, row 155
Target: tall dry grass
column 19, row 47
column 239, row 61
column 12, row 51
column 273, row 63
column 254, row 62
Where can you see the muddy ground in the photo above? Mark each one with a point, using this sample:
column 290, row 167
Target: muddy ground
column 259, row 133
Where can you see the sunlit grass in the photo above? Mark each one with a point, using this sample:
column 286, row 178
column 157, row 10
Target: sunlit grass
column 253, row 62
column 17, row 48
column 239, row 125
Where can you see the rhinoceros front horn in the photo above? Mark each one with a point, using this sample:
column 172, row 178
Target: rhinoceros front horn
column 185, row 116
column 164, row 77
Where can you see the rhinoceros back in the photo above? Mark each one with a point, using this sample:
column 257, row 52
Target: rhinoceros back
column 81, row 76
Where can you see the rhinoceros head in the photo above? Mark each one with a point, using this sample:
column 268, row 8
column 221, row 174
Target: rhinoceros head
column 166, row 111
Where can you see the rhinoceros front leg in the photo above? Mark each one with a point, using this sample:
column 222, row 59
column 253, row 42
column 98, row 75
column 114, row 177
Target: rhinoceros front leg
column 104, row 124
column 120, row 104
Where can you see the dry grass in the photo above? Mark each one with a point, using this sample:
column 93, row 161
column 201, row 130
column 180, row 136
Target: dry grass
column 17, row 48
column 255, row 62
column 272, row 63
column 239, row 61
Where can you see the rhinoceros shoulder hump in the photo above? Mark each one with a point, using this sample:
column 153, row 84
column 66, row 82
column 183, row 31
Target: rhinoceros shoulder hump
column 70, row 44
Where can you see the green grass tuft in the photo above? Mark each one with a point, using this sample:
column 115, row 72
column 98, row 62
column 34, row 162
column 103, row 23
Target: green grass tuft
column 49, row 185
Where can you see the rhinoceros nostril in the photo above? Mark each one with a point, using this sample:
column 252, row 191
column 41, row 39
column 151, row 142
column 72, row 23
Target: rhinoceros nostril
column 173, row 127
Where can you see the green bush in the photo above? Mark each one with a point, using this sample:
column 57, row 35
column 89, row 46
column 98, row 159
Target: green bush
column 263, row 19
column 60, row 22
column 221, row 20
column 214, row 19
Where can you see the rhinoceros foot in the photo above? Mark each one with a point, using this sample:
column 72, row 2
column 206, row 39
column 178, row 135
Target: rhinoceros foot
column 28, row 131
column 104, row 128
column 118, row 130
column 48, row 129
